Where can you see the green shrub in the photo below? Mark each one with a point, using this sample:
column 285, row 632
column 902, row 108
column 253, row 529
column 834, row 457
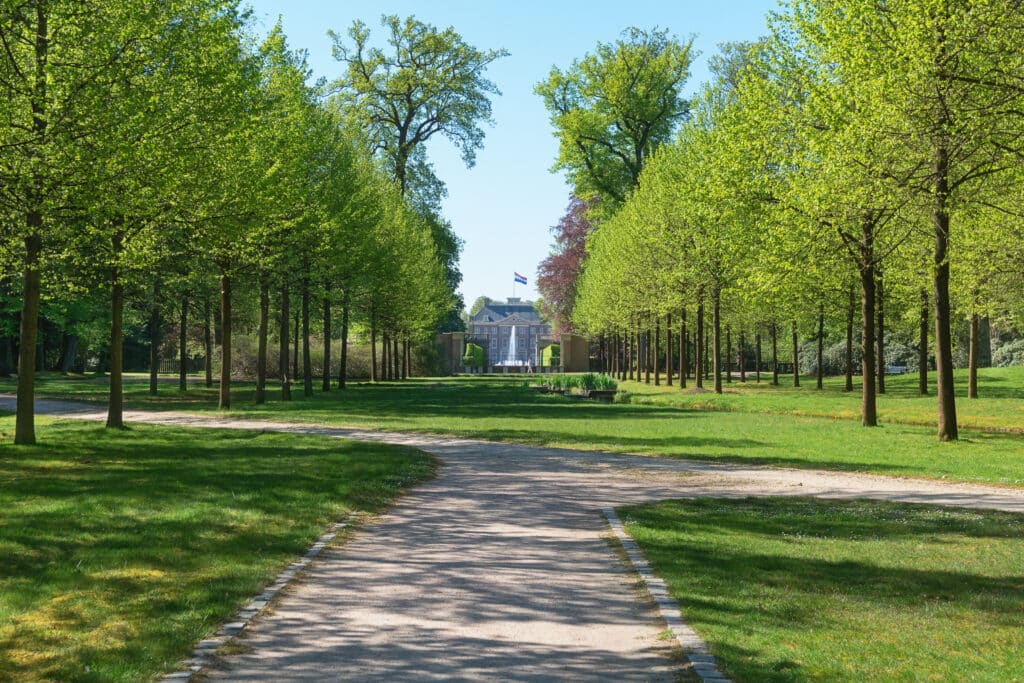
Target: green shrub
column 623, row 397
column 588, row 381
column 1011, row 353
column 551, row 356
column 605, row 383
column 474, row 356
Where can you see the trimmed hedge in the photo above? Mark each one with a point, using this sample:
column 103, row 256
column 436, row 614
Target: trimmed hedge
column 474, row 356
column 551, row 356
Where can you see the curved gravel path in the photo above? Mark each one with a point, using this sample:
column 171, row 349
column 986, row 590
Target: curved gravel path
column 499, row 568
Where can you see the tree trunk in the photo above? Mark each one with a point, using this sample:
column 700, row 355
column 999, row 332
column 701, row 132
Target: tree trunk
column 396, row 358
column 656, row 351
column 115, row 403
column 869, row 402
column 716, row 322
column 373, row 348
column 741, row 357
column 208, row 342
column 757, row 356
column 668, row 350
column 972, row 359
column 615, row 356
column 947, row 429
column 707, row 355
column 699, row 346
column 343, row 370
column 880, row 334
column 385, row 356
column 821, row 347
column 261, row 342
column 69, row 353
column 922, row 347
column 775, row 354
column 683, row 350
column 183, row 345
column 286, row 319
column 796, row 356
column 307, row 364
column 295, row 340
column 851, row 312
column 728, row 355
column 25, row 422
column 154, row 341
column 225, row 339
column 629, row 354
column 646, row 341
column 407, row 366
column 6, row 359
column 326, row 387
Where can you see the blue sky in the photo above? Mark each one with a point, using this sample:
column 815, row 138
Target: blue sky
column 504, row 206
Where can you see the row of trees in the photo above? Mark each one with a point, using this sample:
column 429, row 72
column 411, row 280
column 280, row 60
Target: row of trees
column 864, row 152
column 154, row 155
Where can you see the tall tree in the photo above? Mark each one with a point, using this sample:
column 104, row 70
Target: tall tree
column 429, row 82
column 613, row 108
column 557, row 274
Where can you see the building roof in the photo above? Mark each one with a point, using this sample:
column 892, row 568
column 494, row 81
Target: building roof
column 514, row 310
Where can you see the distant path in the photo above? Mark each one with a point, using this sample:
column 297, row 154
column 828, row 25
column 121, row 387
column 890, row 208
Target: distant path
column 498, row 568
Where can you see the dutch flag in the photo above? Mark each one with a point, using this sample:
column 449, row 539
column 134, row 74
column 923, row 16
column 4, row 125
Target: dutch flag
column 521, row 279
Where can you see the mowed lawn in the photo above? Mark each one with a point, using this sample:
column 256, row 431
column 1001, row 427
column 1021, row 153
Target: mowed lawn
column 505, row 409
column 119, row 550
column 1000, row 405
column 800, row 589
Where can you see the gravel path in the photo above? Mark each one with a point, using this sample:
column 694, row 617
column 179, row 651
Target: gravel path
column 499, row 568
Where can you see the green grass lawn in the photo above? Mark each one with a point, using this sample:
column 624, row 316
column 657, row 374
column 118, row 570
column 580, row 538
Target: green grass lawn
column 1000, row 406
column 503, row 409
column 813, row 590
column 119, row 550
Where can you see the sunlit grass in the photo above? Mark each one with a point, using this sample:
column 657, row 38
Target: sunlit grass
column 1000, row 406
column 813, row 590
column 735, row 429
column 121, row 549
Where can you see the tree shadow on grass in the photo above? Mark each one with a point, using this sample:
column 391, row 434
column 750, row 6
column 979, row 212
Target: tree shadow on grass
column 150, row 535
column 741, row 566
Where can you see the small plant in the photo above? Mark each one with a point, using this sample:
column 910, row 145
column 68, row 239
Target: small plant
column 605, row 383
column 588, row 381
column 623, row 397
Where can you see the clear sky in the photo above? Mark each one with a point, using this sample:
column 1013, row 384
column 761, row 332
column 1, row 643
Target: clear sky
column 504, row 206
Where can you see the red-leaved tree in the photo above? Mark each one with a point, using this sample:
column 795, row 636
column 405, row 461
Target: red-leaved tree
column 558, row 273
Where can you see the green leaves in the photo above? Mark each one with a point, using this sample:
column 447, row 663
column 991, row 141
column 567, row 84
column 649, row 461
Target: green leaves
column 613, row 108
column 429, row 82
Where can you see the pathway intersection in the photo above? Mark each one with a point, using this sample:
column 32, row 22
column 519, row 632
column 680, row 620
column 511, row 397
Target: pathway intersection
column 500, row 568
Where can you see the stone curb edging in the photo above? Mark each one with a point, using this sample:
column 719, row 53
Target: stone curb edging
column 694, row 647
column 202, row 655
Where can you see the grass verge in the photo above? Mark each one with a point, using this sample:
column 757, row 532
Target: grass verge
column 120, row 549
column 797, row 589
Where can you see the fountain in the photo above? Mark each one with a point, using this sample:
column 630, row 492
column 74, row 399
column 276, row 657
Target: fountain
column 511, row 359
